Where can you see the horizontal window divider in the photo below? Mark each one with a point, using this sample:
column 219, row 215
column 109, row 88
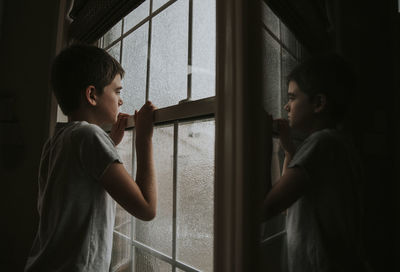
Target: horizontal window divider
column 126, row 237
column 272, row 238
column 184, row 111
column 122, row 224
column 280, row 42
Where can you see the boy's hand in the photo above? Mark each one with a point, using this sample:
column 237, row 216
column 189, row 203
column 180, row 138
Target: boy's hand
column 144, row 121
column 284, row 135
column 118, row 129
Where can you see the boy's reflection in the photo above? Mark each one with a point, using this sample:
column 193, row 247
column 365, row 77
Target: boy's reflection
column 321, row 179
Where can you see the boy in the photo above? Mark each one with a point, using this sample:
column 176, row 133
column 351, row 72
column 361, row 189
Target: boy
column 80, row 168
column 321, row 180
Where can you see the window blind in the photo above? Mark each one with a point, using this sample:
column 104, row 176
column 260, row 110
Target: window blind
column 93, row 18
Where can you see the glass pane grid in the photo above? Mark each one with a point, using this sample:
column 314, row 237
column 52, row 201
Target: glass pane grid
column 163, row 239
column 281, row 52
column 192, row 50
column 133, row 21
column 281, row 33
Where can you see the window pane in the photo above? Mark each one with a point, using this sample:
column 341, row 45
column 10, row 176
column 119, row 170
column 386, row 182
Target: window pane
column 270, row 20
column 271, row 75
column 203, row 60
column 195, row 194
column 120, row 256
column 147, row 263
column 134, row 61
column 115, row 51
column 168, row 68
column 288, row 63
column 113, row 34
column 136, row 15
column 122, row 228
column 289, row 40
column 124, row 150
column 158, row 232
column 158, row 3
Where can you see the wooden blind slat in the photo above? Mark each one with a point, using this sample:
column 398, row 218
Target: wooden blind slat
column 93, row 18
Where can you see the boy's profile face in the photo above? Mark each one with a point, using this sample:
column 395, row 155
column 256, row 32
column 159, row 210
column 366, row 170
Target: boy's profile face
column 109, row 102
column 299, row 107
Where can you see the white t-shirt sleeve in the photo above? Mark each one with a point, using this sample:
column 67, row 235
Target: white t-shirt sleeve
column 96, row 151
column 312, row 154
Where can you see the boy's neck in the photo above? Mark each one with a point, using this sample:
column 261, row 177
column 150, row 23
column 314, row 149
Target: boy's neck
column 81, row 115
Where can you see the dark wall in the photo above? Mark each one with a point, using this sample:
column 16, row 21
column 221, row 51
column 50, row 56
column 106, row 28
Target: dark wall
column 368, row 35
column 27, row 43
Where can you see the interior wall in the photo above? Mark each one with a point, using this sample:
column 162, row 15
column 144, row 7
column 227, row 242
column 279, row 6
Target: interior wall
column 368, row 36
column 27, row 42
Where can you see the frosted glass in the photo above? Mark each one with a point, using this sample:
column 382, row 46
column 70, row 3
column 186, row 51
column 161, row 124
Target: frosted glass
column 145, row 262
column 158, row 3
column 121, row 245
column 158, row 232
column 195, row 194
column 168, row 68
column 289, row 40
column 270, row 20
column 137, row 15
column 113, row 34
column 124, row 150
column 115, row 51
column 271, row 75
column 134, row 61
column 203, row 59
column 288, row 63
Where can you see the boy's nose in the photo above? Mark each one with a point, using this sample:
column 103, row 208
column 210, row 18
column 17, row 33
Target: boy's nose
column 120, row 102
column 286, row 107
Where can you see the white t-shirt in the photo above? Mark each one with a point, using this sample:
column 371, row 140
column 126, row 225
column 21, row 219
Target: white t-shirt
column 76, row 213
column 323, row 226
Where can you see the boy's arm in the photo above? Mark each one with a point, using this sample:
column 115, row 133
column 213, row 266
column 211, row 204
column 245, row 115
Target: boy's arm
column 291, row 184
column 285, row 141
column 138, row 198
column 286, row 191
column 123, row 189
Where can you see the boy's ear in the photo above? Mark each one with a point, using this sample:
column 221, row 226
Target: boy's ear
column 319, row 103
column 90, row 95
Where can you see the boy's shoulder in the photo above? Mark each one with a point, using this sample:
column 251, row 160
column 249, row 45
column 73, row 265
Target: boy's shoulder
column 78, row 130
column 330, row 140
column 326, row 136
column 84, row 128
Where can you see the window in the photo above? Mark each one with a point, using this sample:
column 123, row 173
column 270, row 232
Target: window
column 167, row 49
column 281, row 52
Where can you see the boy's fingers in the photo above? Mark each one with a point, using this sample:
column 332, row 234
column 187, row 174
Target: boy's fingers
column 124, row 122
column 123, row 115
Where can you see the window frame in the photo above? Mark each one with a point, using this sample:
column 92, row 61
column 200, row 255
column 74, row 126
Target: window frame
column 185, row 111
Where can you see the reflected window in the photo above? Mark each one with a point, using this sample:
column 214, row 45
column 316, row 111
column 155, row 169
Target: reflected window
column 281, row 52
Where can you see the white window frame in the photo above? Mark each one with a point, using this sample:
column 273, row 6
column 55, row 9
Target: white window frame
column 185, row 110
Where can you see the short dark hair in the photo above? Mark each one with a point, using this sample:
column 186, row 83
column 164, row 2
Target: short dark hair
column 77, row 67
column 330, row 75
